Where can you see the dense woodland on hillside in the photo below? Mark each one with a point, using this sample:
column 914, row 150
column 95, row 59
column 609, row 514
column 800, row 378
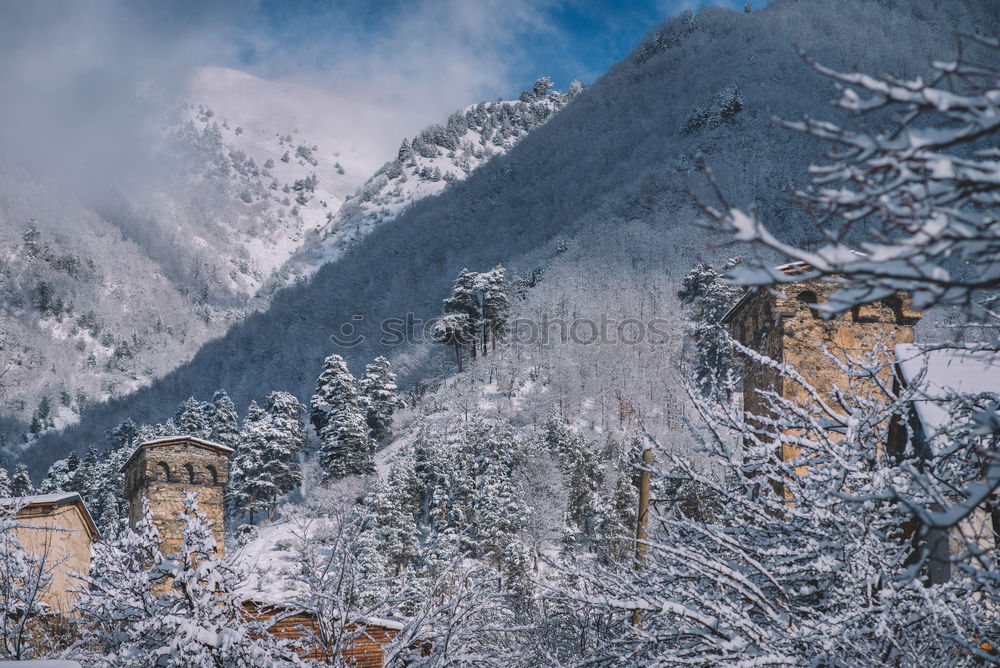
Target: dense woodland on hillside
column 478, row 482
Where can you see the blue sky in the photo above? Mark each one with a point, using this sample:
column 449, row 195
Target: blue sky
column 565, row 39
column 93, row 75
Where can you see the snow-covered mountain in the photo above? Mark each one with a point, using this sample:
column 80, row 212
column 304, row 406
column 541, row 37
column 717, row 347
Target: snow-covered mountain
column 282, row 166
column 593, row 207
column 258, row 183
column 426, row 165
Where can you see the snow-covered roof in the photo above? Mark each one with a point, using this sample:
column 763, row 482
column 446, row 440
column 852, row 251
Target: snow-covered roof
column 949, row 371
column 38, row 499
column 170, row 440
column 54, row 499
column 271, row 562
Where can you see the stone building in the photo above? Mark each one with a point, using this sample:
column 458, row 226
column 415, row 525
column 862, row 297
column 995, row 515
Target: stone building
column 164, row 471
column 781, row 324
column 59, row 528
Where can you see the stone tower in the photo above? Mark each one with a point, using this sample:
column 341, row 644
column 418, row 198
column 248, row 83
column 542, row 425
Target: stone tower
column 785, row 328
column 164, row 470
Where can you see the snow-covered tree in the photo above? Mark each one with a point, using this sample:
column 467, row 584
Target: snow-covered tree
column 465, row 301
column 910, row 205
column 250, row 488
column 193, row 417
column 21, row 485
column 811, row 556
column 285, row 438
column 117, row 594
column 496, row 301
column 707, row 298
column 341, row 578
column 223, row 420
column 199, row 622
column 4, row 483
column 378, row 387
column 924, row 185
column 24, row 578
column 338, row 415
column 453, row 330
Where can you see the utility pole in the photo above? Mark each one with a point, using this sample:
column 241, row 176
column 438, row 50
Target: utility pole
column 642, row 517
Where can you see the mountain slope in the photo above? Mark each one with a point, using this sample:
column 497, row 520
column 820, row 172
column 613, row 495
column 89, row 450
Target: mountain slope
column 437, row 156
column 100, row 297
column 596, row 194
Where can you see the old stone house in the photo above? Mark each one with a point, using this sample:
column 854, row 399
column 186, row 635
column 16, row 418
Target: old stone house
column 59, row 529
column 165, row 471
column 782, row 324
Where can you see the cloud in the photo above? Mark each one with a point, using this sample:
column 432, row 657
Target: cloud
column 418, row 61
column 83, row 82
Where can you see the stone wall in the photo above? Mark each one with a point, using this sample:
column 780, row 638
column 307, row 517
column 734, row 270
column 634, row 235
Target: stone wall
column 165, row 472
column 781, row 325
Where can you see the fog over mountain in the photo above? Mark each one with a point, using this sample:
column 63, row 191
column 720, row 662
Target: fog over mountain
column 596, row 199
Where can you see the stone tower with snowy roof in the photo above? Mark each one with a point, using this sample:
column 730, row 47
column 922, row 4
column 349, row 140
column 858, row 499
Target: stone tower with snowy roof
column 781, row 324
column 165, row 470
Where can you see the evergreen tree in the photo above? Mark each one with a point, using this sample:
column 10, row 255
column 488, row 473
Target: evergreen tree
column 496, row 303
column 192, row 418
column 453, row 330
column 378, row 386
column 123, row 436
column 285, row 437
column 707, row 299
column 405, row 153
column 4, row 483
column 250, row 488
column 223, row 420
column 465, row 301
column 60, row 474
column 21, row 484
column 338, row 415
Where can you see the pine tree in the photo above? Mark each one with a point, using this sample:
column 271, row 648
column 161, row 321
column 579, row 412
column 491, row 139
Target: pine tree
column 405, row 153
column 122, row 436
column 378, row 386
column 707, row 299
column 338, row 415
column 465, row 301
column 285, row 438
column 223, row 421
column 496, row 303
column 250, row 488
column 452, row 330
column 21, row 486
column 4, row 483
column 192, row 418
column 60, row 474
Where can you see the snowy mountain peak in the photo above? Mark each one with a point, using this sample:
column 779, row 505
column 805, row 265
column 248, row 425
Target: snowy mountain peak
column 426, row 164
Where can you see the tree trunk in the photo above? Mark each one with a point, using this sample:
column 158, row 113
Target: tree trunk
column 458, row 354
